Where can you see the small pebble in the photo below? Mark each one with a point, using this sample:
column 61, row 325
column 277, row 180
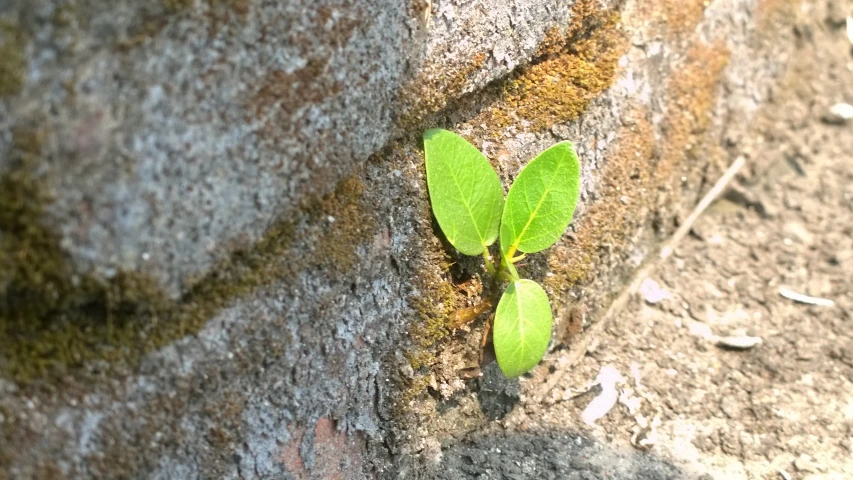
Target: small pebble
column 839, row 114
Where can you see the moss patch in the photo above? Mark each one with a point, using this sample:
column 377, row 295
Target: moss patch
column 640, row 175
column 344, row 224
column 435, row 297
column 693, row 92
column 626, row 192
column 13, row 63
column 577, row 65
column 176, row 5
column 574, row 65
column 53, row 318
column 435, row 305
column 434, row 88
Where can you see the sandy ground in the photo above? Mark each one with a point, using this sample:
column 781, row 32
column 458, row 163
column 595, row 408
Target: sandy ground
column 777, row 401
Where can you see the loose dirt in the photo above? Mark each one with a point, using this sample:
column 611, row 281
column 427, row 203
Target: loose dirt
column 690, row 407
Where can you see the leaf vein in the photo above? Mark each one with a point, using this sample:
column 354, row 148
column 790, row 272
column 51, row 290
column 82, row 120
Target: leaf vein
column 520, row 237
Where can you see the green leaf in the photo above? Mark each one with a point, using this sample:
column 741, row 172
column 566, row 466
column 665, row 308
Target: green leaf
column 522, row 327
column 466, row 193
column 541, row 201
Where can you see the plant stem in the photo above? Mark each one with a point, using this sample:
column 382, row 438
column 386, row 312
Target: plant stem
column 508, row 270
column 512, row 272
column 505, row 271
column 490, row 267
column 506, row 275
column 510, row 255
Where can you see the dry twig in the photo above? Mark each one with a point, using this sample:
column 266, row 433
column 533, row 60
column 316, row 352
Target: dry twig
column 579, row 349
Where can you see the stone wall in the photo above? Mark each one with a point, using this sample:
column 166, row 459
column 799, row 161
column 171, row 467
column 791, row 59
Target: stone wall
column 216, row 252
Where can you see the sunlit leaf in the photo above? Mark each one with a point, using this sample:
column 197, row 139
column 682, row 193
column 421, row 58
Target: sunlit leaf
column 466, row 194
column 541, row 201
column 522, row 327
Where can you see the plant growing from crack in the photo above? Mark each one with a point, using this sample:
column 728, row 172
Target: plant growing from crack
column 468, row 202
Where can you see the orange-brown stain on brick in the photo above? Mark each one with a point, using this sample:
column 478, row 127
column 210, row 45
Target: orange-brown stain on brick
column 336, row 455
column 290, row 91
column 642, row 174
column 290, row 457
column 674, row 17
column 624, row 196
column 693, row 89
column 435, row 85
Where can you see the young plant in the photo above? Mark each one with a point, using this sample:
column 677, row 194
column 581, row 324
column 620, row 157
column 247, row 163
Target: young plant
column 467, row 200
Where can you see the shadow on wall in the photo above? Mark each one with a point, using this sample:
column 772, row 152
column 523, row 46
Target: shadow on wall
column 550, row 454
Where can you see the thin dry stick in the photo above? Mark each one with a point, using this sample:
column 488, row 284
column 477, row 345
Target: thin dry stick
column 579, row 350
column 707, row 200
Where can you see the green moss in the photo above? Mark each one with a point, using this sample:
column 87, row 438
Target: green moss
column 50, row 316
column 176, row 5
column 434, row 297
column 633, row 182
column 53, row 318
column 574, row 67
column 434, row 305
column 13, row 63
column 345, row 223
column 434, row 87
column 240, row 7
column 410, row 393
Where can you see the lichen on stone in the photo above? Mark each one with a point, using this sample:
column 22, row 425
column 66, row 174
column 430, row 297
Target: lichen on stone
column 641, row 173
column 434, row 88
column 54, row 318
column 13, row 62
column 623, row 199
column 574, row 68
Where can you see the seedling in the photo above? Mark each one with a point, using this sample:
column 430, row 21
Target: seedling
column 468, row 202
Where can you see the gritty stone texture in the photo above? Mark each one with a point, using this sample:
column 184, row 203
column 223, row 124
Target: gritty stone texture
column 739, row 413
column 550, row 455
column 175, row 128
column 173, row 131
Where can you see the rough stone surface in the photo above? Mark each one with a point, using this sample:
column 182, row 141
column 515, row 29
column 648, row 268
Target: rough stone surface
column 174, row 134
column 550, row 455
column 173, row 128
